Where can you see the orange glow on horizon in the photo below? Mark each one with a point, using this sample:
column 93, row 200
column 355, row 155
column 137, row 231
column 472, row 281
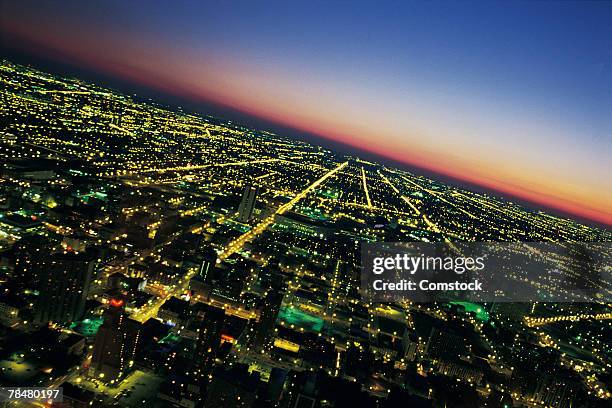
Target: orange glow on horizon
column 551, row 199
column 230, row 86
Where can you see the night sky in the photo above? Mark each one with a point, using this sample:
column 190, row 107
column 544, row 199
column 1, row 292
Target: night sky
column 515, row 97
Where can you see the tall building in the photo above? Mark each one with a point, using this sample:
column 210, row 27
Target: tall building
column 63, row 284
column 115, row 344
column 209, row 261
column 32, row 253
column 202, row 283
column 265, row 327
column 208, row 341
column 247, row 204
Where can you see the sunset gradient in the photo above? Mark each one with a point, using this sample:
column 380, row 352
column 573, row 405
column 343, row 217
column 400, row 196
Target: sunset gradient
column 516, row 98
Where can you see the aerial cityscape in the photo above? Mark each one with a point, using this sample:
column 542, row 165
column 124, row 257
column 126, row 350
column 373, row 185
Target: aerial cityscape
column 151, row 256
column 305, row 204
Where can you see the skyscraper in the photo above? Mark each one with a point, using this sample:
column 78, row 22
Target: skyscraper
column 208, row 341
column 247, row 204
column 115, row 344
column 209, row 261
column 64, row 281
column 265, row 327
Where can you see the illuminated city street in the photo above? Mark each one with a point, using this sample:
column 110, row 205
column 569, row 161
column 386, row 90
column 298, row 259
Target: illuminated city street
column 156, row 257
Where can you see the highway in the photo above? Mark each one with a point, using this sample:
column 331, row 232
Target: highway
column 239, row 242
column 176, row 290
column 149, row 311
column 365, row 187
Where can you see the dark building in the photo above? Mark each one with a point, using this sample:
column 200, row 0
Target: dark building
column 208, row 265
column 247, row 204
column 72, row 344
column 554, row 391
column 234, row 388
column 11, row 308
column 267, row 320
column 201, row 284
column 208, row 341
column 30, row 254
column 64, row 281
column 174, row 310
column 115, row 344
column 76, row 397
column 115, row 280
column 444, row 344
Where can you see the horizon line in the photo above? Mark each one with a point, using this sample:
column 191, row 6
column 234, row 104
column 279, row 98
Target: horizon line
column 531, row 200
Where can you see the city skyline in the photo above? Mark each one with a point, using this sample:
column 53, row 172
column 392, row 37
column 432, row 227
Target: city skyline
column 518, row 108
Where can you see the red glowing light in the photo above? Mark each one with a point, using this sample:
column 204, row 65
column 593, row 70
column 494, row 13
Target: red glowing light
column 116, row 302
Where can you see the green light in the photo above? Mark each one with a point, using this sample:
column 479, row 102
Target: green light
column 481, row 314
column 293, row 316
column 87, row 327
column 170, row 338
